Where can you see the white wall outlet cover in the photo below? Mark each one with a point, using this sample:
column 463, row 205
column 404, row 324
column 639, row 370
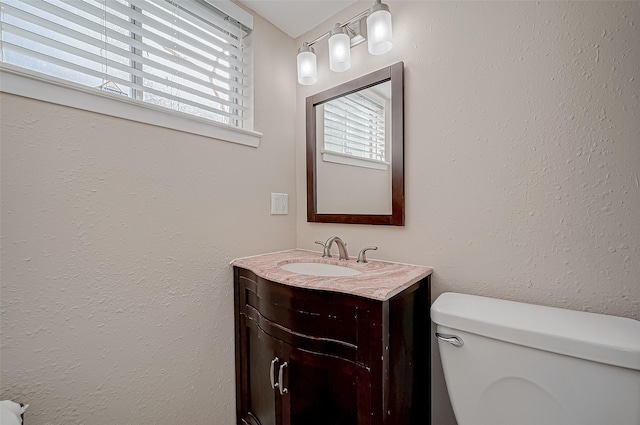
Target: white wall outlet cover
column 279, row 203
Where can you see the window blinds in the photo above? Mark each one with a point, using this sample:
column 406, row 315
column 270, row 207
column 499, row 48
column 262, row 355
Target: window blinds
column 355, row 125
column 181, row 55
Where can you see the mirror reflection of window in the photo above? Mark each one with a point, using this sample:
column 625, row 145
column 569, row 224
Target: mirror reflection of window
column 355, row 129
column 354, row 125
column 353, row 135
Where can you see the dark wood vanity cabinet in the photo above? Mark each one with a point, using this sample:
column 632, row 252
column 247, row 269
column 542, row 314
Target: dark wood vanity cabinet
column 313, row 357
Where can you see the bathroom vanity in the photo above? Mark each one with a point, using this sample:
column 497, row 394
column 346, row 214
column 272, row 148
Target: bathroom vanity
column 338, row 350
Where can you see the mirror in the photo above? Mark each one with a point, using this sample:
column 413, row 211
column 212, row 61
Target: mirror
column 355, row 145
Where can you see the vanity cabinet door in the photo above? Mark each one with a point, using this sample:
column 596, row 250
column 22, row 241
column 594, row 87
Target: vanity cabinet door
column 284, row 385
column 260, row 360
column 323, row 390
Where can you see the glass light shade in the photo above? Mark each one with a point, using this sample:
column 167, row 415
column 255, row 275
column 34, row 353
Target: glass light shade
column 339, row 52
column 307, row 67
column 379, row 32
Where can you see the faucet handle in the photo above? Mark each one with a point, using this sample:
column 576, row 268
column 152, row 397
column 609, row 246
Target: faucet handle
column 362, row 257
column 325, row 252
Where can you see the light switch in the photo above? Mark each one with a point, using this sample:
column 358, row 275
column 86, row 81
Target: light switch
column 279, row 203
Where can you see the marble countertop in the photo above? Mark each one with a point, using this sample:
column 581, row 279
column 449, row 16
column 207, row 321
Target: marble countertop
column 380, row 280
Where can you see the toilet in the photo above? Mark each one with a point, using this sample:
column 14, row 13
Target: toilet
column 511, row 363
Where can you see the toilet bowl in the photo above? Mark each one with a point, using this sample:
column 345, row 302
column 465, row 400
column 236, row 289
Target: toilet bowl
column 510, row 363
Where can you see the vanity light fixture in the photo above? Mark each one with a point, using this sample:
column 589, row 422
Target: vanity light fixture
column 307, row 65
column 339, row 49
column 379, row 29
column 373, row 24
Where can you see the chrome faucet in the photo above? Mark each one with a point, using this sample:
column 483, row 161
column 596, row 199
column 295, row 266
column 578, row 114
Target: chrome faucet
column 342, row 247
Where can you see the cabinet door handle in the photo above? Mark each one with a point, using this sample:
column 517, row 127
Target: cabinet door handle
column 283, row 390
column 272, row 371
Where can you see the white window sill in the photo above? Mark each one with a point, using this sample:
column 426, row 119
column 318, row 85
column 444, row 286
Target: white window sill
column 355, row 161
column 15, row 80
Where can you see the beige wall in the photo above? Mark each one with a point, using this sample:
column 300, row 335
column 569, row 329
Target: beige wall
column 522, row 153
column 117, row 294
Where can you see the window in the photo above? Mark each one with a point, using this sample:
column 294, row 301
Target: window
column 354, row 126
column 184, row 56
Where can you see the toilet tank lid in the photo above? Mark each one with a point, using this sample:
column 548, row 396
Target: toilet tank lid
column 597, row 337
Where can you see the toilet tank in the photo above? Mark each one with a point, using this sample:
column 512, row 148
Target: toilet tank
column 524, row 364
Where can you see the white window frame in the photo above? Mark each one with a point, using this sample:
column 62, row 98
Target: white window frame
column 26, row 83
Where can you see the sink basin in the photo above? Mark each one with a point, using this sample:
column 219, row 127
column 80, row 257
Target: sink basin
column 319, row 269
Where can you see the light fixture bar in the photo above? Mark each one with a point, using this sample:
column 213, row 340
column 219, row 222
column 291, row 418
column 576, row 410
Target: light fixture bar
column 372, row 25
column 345, row 24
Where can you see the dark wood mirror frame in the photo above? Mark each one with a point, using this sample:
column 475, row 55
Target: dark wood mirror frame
column 394, row 74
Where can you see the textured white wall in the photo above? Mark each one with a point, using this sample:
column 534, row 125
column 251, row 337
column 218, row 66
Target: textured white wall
column 117, row 293
column 522, row 152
